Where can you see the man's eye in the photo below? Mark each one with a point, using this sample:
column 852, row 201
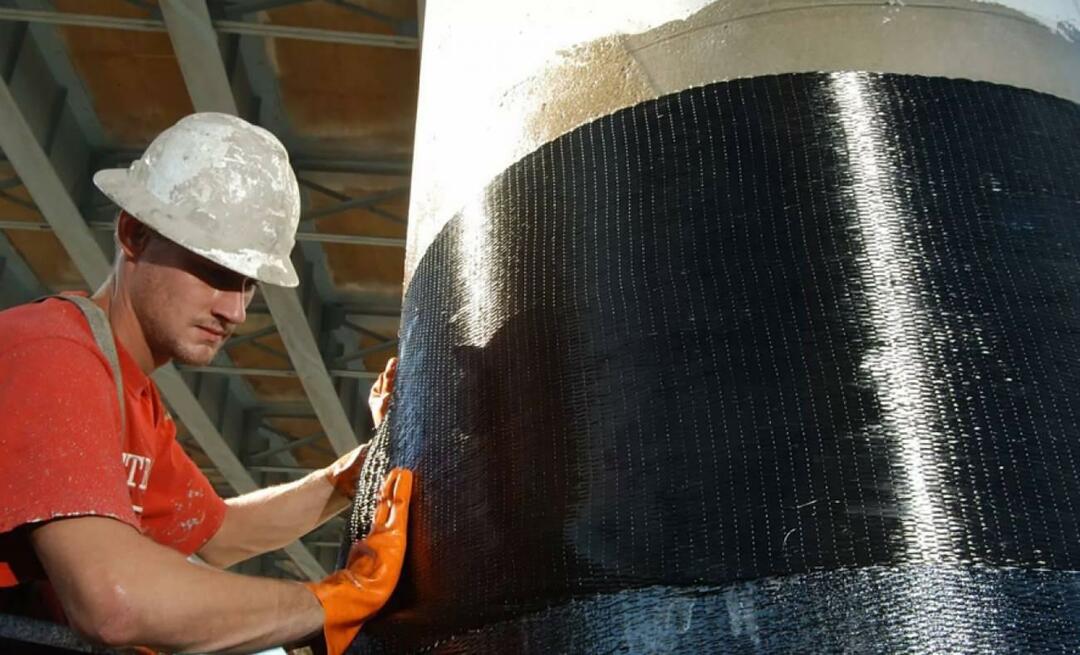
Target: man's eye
column 216, row 278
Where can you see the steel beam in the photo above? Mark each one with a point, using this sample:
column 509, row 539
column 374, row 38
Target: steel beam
column 257, row 334
column 404, row 27
column 293, row 470
column 283, row 409
column 360, row 329
column 36, row 170
column 253, row 6
column 286, row 447
column 319, row 237
column 278, row 373
column 221, row 26
column 364, row 352
column 314, row 164
column 37, row 173
column 303, row 161
column 192, row 35
column 341, row 197
column 349, row 310
column 421, row 8
column 18, row 283
column 197, row 51
column 313, row 34
column 273, row 352
column 351, row 239
column 355, row 203
column 56, row 58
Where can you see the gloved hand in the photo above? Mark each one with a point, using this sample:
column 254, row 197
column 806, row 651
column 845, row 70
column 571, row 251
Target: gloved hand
column 354, row 594
column 379, row 398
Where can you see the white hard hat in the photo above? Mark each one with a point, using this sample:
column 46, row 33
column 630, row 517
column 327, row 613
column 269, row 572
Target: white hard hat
column 220, row 187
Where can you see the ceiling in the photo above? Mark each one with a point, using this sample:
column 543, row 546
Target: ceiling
column 88, row 84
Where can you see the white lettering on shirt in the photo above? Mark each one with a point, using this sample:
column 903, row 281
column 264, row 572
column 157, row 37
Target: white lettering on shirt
column 138, row 468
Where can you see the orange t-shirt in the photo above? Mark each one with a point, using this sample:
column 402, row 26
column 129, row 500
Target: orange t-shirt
column 60, row 453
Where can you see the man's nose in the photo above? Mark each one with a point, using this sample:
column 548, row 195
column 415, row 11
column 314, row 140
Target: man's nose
column 231, row 306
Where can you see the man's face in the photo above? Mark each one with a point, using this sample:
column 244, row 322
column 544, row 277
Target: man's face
column 187, row 306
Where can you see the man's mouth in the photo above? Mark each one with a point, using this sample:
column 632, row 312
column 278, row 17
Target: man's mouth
column 217, row 333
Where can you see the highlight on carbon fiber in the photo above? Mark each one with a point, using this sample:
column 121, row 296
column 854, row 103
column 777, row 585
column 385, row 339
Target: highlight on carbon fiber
column 788, row 362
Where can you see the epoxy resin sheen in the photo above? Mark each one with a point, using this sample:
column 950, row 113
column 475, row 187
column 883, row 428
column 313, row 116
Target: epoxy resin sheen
column 736, row 328
column 780, row 363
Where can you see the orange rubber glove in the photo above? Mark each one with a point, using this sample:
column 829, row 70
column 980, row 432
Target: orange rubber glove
column 351, row 596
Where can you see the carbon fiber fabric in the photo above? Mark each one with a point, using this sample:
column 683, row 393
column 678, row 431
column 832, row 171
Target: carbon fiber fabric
column 766, row 364
column 960, row 609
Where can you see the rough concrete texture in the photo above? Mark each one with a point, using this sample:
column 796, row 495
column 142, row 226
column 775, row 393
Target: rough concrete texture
column 479, row 110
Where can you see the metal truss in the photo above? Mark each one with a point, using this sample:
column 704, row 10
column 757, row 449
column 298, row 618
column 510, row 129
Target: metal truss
column 319, row 237
column 364, row 352
column 346, row 203
column 220, row 26
column 42, row 180
column 302, row 162
column 277, row 372
column 196, row 47
column 372, row 205
column 18, row 284
column 242, row 7
column 302, row 165
column 53, row 141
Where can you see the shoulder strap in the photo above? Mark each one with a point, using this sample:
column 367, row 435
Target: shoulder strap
column 99, row 327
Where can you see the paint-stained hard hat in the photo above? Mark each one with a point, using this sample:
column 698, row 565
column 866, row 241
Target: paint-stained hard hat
column 220, row 187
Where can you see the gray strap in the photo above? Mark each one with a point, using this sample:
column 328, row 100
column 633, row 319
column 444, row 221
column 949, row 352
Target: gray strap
column 99, row 327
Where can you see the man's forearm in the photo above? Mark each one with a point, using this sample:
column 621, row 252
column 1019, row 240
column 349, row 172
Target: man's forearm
column 271, row 518
column 120, row 588
column 239, row 614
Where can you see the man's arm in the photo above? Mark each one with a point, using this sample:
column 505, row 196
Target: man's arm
column 122, row 589
column 268, row 519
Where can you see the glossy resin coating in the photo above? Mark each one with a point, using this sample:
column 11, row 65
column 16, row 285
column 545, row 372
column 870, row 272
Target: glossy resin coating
column 787, row 351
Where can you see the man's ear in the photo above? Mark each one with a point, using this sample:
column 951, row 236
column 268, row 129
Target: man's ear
column 132, row 236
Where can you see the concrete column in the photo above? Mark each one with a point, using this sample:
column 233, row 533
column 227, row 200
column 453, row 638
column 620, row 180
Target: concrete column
column 500, row 79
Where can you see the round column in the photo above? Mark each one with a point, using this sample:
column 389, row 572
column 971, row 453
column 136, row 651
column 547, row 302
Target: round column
column 748, row 331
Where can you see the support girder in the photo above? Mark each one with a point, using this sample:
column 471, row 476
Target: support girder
column 193, row 36
column 221, row 26
column 40, row 176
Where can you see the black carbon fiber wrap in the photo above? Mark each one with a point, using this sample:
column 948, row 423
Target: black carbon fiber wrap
column 768, row 364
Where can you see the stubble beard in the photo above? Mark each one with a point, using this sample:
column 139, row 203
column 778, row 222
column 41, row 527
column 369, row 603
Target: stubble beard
column 181, row 351
column 165, row 328
column 194, row 356
column 165, row 336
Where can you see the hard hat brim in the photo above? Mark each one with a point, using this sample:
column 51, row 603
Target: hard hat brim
column 132, row 198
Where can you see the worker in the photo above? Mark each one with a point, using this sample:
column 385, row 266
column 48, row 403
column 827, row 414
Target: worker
column 97, row 496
